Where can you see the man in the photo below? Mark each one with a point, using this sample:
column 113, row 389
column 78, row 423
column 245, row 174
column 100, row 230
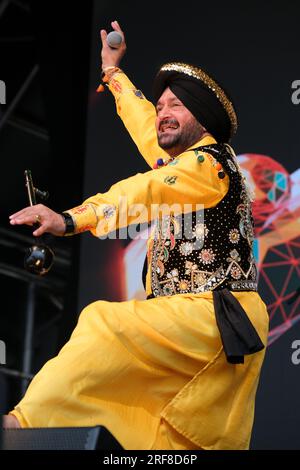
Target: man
column 180, row 369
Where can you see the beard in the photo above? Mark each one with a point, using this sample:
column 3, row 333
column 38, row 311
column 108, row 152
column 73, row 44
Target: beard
column 177, row 140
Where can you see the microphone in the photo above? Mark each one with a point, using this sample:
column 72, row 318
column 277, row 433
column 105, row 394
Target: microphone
column 114, row 39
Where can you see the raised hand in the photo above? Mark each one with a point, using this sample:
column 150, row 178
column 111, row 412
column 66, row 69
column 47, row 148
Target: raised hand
column 109, row 56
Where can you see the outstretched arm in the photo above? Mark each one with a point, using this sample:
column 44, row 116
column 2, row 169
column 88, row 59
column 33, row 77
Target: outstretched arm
column 136, row 199
column 182, row 188
column 137, row 113
column 48, row 220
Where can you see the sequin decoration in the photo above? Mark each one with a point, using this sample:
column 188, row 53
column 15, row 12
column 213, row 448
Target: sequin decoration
column 200, row 278
column 235, row 272
column 234, row 256
column 184, row 286
column 217, row 252
column 234, row 235
column 207, row 256
column 168, row 289
column 186, row 248
column 231, row 165
column 246, row 222
column 160, row 268
column 139, row 94
column 200, row 231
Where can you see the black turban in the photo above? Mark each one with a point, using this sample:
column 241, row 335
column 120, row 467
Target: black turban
column 201, row 95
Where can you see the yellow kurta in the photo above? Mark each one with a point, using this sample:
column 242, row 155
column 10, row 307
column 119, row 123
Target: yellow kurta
column 153, row 372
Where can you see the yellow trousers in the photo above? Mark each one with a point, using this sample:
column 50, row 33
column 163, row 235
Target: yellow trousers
column 154, row 373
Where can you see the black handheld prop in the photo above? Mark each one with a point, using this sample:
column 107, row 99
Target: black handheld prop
column 39, row 257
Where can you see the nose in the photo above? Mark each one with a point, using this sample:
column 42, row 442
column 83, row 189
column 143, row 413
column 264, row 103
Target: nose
column 163, row 113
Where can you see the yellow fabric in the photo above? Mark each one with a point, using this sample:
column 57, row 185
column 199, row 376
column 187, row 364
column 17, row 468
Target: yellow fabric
column 195, row 183
column 129, row 365
column 138, row 116
column 153, row 372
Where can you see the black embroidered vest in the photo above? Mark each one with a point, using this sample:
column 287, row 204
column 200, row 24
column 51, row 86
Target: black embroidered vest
column 216, row 249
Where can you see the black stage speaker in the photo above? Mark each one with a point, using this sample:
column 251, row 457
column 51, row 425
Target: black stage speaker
column 83, row 438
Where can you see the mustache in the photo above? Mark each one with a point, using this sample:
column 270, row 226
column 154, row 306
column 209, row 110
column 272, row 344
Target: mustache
column 168, row 122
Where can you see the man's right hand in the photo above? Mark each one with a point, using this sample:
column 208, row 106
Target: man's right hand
column 109, row 56
column 48, row 220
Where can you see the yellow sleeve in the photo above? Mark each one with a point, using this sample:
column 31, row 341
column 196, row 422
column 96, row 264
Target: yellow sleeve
column 138, row 115
column 185, row 186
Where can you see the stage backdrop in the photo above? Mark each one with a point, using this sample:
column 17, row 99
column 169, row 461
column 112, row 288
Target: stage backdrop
column 251, row 49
